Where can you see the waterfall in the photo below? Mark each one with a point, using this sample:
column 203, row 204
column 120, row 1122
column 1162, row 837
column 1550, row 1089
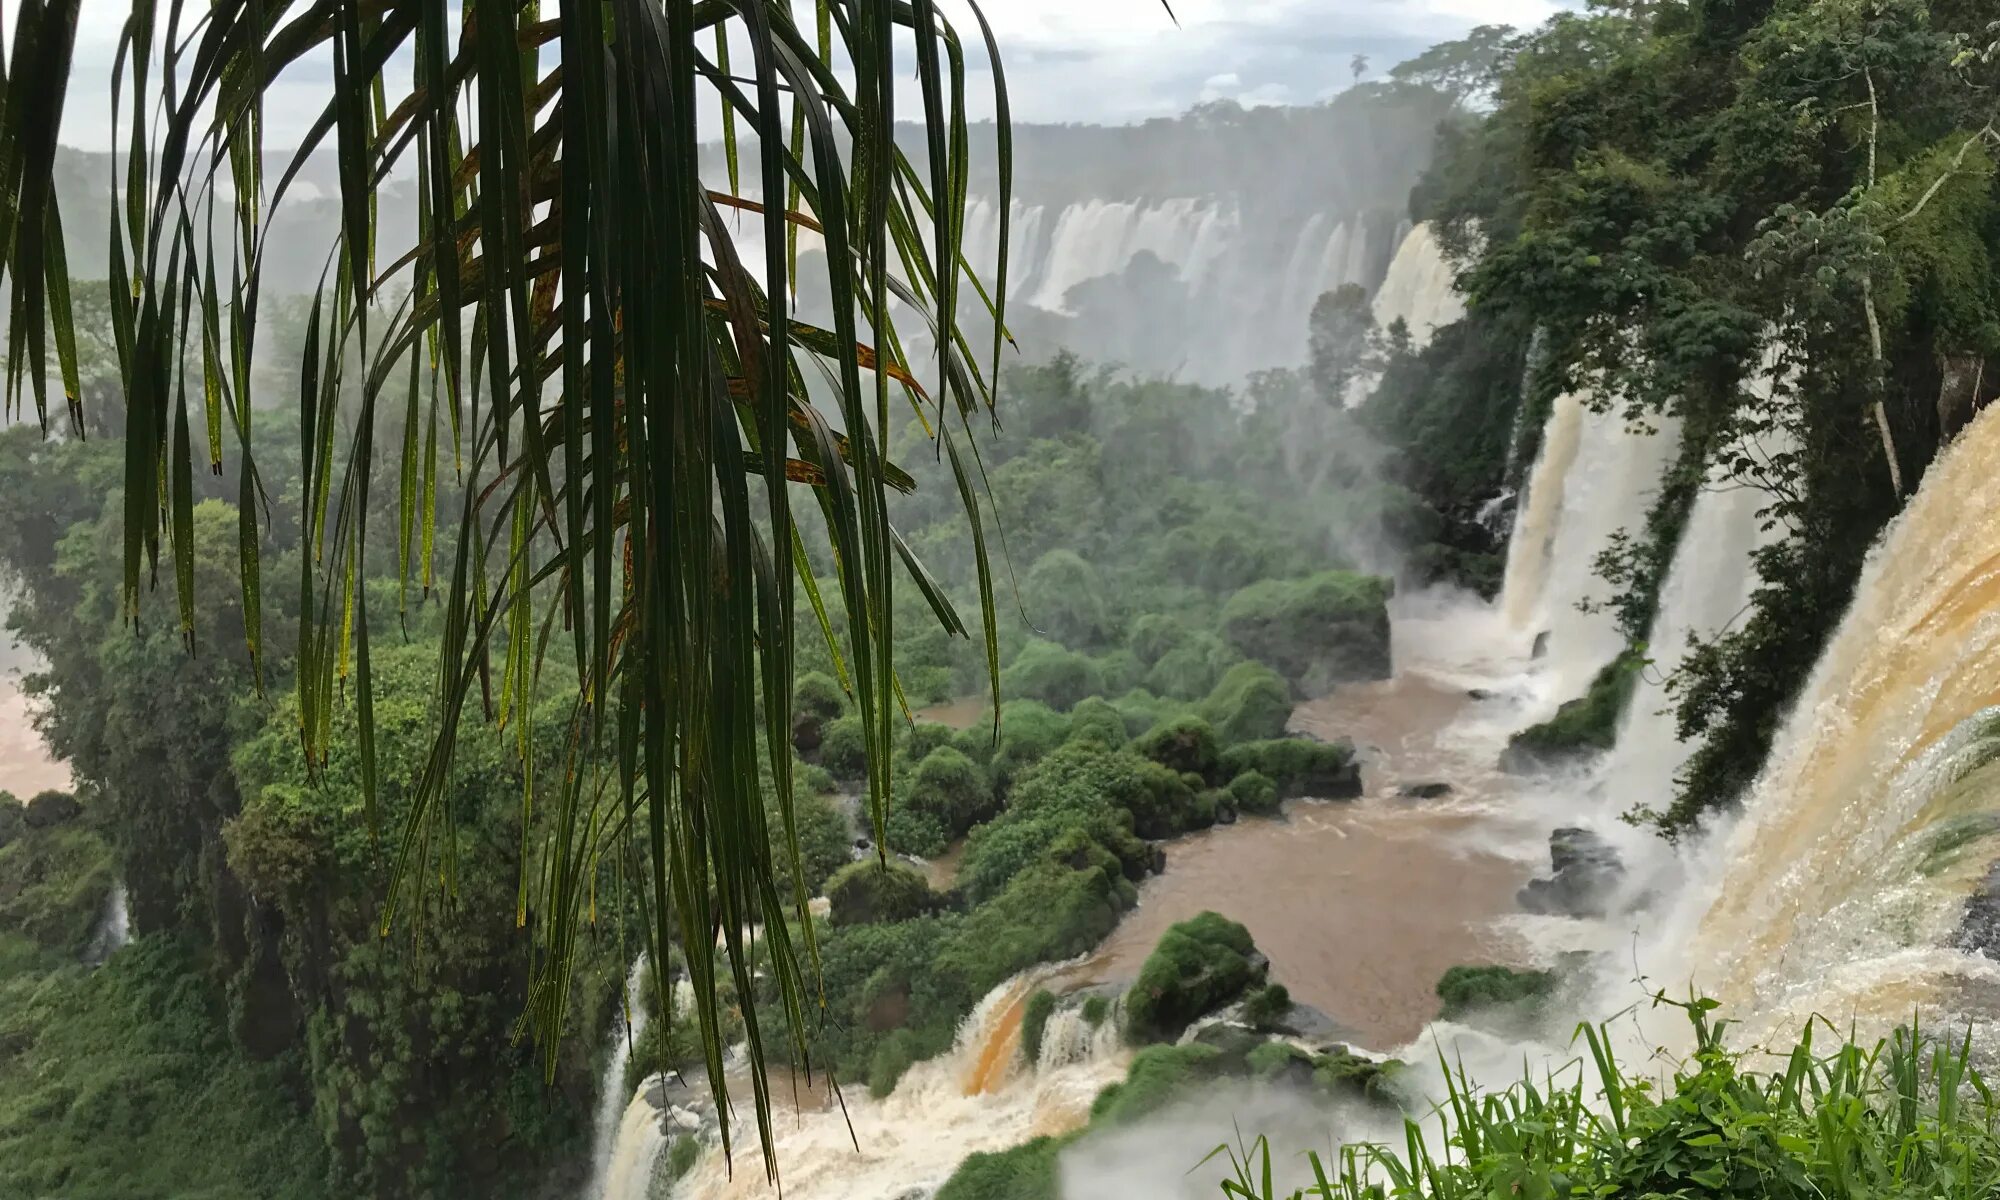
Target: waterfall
column 1598, row 476
column 1420, row 289
column 114, row 927
column 978, row 1096
column 1840, row 888
column 616, row 1172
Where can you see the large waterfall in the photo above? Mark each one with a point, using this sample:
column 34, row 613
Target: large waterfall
column 1841, row 888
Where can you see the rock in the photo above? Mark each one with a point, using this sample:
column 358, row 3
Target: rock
column 1586, row 870
column 52, row 808
column 1541, row 649
column 1234, row 1040
column 862, row 843
column 808, row 730
column 1479, row 694
column 682, row 1118
column 1310, row 1024
column 1158, row 864
column 1979, row 928
column 1225, row 815
column 1424, row 791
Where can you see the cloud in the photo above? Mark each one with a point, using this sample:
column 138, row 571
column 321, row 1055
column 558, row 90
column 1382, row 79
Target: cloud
column 1102, row 61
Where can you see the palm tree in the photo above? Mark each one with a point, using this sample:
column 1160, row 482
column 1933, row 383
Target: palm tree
column 623, row 396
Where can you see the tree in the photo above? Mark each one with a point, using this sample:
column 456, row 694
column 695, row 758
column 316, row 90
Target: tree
column 1359, row 66
column 615, row 408
column 1342, row 341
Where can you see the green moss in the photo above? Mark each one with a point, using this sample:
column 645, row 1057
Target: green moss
column 1267, row 1005
column 1297, row 767
column 1469, row 989
column 1035, row 1022
column 872, row 891
column 1254, row 792
column 1582, row 727
column 1095, row 1009
column 1199, row 965
column 682, row 1156
column 1251, row 702
column 1159, row 1076
column 1025, row 1172
column 1185, row 744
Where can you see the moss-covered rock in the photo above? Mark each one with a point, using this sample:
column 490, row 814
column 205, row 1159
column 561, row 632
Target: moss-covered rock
column 1029, row 730
column 1582, row 728
column 952, row 789
column 1249, row 703
column 1098, row 721
column 1465, row 990
column 1255, row 793
column 1159, row 1076
column 817, row 699
column 1200, row 965
column 1035, row 1022
column 1025, row 1172
column 1298, row 767
column 1320, row 631
column 871, row 892
column 1185, row 744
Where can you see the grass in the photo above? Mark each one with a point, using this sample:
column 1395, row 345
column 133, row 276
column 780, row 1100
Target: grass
column 1839, row 1120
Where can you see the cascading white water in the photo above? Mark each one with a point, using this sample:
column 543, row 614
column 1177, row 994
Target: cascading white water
column 114, row 927
column 979, row 1096
column 1842, row 884
column 1420, row 289
column 611, row 1179
column 1597, row 474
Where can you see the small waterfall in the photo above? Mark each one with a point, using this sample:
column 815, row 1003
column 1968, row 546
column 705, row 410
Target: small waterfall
column 114, row 927
column 1841, row 886
column 615, row 1171
column 978, row 1096
column 1598, row 474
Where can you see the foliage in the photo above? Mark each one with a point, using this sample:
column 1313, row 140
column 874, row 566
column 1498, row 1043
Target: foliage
column 1298, row 766
column 124, row 1082
column 1250, row 702
column 1267, row 1005
column 53, row 884
column 1034, row 1022
column 1056, row 676
column 1908, row 1115
column 952, row 789
column 1329, row 628
column 1465, row 990
column 872, row 891
column 1158, row 1077
column 1581, row 727
column 1199, row 965
column 1185, row 745
column 1253, row 792
column 1024, row 1172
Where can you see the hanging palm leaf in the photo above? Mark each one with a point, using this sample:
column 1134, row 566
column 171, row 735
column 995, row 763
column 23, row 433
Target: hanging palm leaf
column 625, row 395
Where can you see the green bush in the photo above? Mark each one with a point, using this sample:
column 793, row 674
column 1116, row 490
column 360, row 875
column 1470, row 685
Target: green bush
column 1095, row 1009
column 819, row 695
column 952, row 789
column 1253, row 792
column 1466, row 989
column 1025, row 1172
column 1200, row 965
column 1029, row 730
column 1249, row 703
column 843, row 748
column 53, row 884
column 1159, row 1076
column 1297, row 767
column 1323, row 630
column 1184, row 744
column 1190, row 670
column 1155, row 635
column 1142, row 710
column 1065, row 596
column 872, row 891
column 1052, row 674
column 1267, row 1005
column 913, row 831
column 1095, row 720
column 1035, row 1022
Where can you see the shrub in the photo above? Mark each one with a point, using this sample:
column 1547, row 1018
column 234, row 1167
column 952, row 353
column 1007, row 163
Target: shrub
column 53, row 884
column 1025, row 1172
column 1298, row 767
column 1142, row 710
column 1200, row 965
column 915, row 742
column 1029, row 730
column 1159, row 1075
column 952, row 790
column 1095, row 720
column 872, row 891
column 817, row 701
column 1250, row 702
column 1466, row 989
column 843, row 748
column 1035, row 1022
column 1319, row 631
column 1267, row 1005
column 1065, row 597
column 1056, row 676
column 1095, row 1009
column 1155, row 635
column 1185, row 744
column 911, row 830
column 1189, row 671
column 1253, row 792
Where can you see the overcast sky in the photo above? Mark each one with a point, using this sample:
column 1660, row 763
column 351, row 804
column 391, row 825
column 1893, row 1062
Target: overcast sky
column 1098, row 61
